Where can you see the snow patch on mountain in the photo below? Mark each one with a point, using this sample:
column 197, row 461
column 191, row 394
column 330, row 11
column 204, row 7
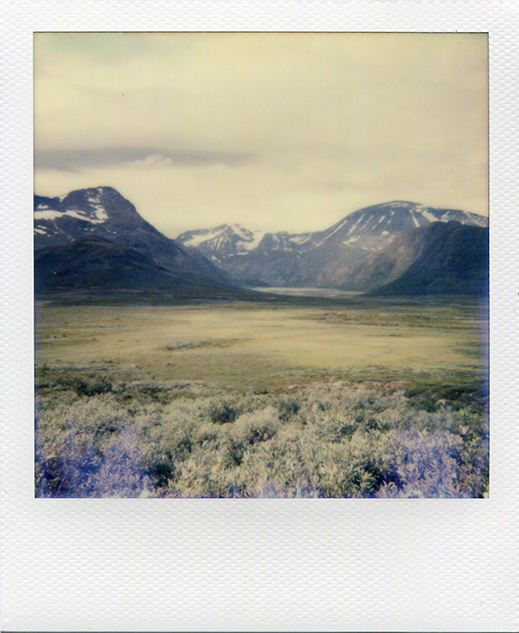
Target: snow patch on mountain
column 203, row 236
column 303, row 238
column 226, row 240
column 250, row 245
column 98, row 217
column 350, row 241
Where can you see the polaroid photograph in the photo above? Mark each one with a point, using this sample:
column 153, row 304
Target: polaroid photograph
column 257, row 336
column 282, row 288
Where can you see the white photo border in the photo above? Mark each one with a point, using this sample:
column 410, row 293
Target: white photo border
column 254, row 565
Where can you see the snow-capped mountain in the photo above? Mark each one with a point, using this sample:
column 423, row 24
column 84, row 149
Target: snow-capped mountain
column 100, row 212
column 94, row 240
column 371, row 228
column 222, row 242
column 101, row 222
column 300, row 259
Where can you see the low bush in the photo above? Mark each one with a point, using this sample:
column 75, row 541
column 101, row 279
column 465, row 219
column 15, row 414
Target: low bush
column 323, row 440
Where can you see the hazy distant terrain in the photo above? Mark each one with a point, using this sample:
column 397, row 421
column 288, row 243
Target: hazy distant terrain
column 333, row 257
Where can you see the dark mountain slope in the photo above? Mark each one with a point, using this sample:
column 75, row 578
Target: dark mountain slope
column 95, row 241
column 103, row 212
column 96, row 265
column 453, row 260
column 438, row 258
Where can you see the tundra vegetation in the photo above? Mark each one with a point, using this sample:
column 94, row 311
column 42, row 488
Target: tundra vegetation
column 344, row 398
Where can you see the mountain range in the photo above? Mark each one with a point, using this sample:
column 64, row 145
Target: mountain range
column 311, row 259
column 94, row 240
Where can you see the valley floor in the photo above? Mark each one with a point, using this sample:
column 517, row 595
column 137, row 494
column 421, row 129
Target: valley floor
column 339, row 399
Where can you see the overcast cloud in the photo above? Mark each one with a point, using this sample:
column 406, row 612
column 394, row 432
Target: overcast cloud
column 275, row 131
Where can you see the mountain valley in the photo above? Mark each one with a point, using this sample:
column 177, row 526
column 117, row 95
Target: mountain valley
column 342, row 256
column 94, row 240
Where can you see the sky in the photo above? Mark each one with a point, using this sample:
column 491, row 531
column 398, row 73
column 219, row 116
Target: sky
column 275, row 131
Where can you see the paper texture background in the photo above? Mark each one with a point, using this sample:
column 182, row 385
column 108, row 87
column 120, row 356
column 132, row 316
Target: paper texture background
column 215, row 565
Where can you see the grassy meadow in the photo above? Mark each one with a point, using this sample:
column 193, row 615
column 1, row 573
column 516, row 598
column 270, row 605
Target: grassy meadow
column 323, row 398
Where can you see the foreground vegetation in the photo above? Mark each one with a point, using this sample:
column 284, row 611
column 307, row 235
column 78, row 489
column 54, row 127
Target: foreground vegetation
column 285, row 402
column 95, row 438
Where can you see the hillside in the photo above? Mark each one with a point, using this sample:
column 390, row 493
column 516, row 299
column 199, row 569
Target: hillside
column 94, row 239
column 438, row 258
column 450, row 259
column 103, row 212
column 299, row 259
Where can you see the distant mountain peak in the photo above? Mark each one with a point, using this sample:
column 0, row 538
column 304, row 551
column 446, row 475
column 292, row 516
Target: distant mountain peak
column 398, row 216
column 79, row 212
column 223, row 241
column 403, row 203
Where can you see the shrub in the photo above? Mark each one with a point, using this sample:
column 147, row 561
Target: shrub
column 79, row 469
column 256, row 426
column 223, row 411
column 328, row 440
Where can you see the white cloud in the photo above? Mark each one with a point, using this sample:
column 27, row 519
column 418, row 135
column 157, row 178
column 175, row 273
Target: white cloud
column 154, row 161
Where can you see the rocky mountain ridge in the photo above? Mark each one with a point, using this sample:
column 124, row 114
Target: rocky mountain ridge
column 299, row 259
column 438, row 258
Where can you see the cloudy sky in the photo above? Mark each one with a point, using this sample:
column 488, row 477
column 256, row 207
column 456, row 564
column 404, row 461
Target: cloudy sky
column 274, row 131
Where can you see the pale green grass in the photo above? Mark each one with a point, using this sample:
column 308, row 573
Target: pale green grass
column 261, row 347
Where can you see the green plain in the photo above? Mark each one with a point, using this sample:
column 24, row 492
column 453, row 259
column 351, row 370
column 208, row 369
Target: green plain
column 262, row 346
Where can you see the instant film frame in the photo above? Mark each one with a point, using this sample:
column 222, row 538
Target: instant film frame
column 170, row 389
column 422, row 565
